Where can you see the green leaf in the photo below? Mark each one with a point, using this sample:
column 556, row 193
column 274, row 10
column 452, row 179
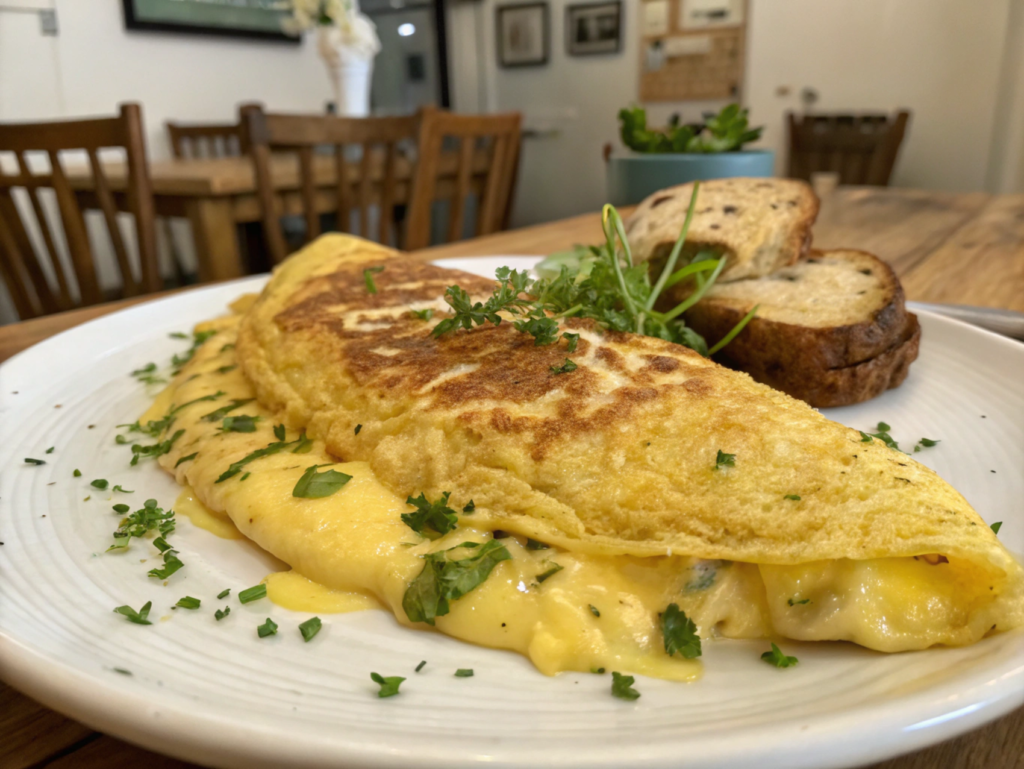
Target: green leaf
column 236, row 467
column 552, row 571
column 221, row 613
column 253, row 593
column 187, row 458
column 138, row 617
column 224, row 593
column 431, row 519
column 724, row 460
column 594, row 610
column 469, row 508
column 371, row 287
column 793, row 497
column 426, row 314
column 443, row 580
column 801, row 602
column 680, row 633
column 388, row 686
column 30, row 461
column 156, row 449
column 996, row 527
column 532, row 544
column 310, row 628
column 778, row 659
column 188, row 602
column 565, row 368
column 223, row 411
column 267, row 628
column 77, row 473
column 147, row 518
column 314, row 485
column 464, row 673
column 244, row 423
column 421, row 666
column 100, row 484
column 171, row 564
column 622, row 687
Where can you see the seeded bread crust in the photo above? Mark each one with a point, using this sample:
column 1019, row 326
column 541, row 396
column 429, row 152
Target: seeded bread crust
column 833, row 310
column 759, row 224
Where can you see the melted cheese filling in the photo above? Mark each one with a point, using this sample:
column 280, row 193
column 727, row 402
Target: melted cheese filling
column 351, row 551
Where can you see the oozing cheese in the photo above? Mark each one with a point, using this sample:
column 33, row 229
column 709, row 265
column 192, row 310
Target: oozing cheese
column 352, row 550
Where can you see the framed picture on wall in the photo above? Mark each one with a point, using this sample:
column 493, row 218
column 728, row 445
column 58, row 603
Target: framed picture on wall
column 259, row 19
column 592, row 28
column 523, row 35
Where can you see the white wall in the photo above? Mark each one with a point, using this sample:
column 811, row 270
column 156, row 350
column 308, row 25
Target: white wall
column 940, row 58
column 1006, row 165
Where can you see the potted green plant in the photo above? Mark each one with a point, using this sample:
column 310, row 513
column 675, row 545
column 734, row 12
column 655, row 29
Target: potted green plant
column 663, row 157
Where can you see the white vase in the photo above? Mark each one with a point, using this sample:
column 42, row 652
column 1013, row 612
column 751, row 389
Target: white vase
column 350, row 71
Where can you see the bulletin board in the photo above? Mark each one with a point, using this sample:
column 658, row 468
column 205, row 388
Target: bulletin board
column 692, row 49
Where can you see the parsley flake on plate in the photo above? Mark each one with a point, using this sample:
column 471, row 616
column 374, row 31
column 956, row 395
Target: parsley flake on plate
column 431, row 519
column 30, row 461
column 221, row 613
column 138, row 617
column 421, row 666
column 77, row 473
column 267, row 628
column 314, row 485
column 778, row 659
column 388, row 686
column 100, row 483
column 171, row 564
column 680, row 633
column 224, row 593
column 188, row 602
column 996, row 527
column 464, row 673
column 622, row 687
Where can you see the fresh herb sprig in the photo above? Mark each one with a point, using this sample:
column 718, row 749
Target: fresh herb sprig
column 443, row 580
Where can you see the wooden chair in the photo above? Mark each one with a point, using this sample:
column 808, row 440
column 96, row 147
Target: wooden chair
column 375, row 182
column 205, row 140
column 501, row 135
column 27, row 269
column 861, row 149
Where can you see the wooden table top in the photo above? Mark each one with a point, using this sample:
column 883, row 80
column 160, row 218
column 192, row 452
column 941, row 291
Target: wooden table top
column 961, row 249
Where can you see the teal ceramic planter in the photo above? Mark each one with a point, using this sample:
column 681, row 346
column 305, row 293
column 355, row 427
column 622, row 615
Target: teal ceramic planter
column 633, row 177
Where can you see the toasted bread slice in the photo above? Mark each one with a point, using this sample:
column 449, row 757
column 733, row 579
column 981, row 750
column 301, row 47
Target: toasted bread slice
column 759, row 225
column 835, row 309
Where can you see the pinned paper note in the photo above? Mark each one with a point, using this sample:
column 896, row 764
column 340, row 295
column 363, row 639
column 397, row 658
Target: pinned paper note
column 655, row 20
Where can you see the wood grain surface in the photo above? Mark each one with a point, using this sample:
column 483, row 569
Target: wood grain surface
column 961, row 249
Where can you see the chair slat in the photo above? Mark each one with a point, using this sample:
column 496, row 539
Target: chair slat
column 64, row 299
column 308, row 193
column 109, row 210
column 15, row 273
column 860, row 149
column 365, row 190
column 387, row 195
column 488, row 220
column 460, row 200
column 75, row 234
column 344, row 214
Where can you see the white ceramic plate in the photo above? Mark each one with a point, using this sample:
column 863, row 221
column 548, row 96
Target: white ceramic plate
column 212, row 693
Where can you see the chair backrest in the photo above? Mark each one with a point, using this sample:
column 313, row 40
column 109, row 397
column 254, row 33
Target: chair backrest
column 371, row 181
column 27, row 270
column 861, row 149
column 205, row 140
column 487, row 159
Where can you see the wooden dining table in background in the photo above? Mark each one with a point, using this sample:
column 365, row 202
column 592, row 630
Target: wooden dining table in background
column 946, row 248
column 215, row 195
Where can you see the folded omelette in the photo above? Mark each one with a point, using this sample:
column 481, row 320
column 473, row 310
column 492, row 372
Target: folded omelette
column 586, row 498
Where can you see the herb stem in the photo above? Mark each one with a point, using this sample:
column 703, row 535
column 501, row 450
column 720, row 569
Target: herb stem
column 609, row 212
column 697, row 295
column 677, row 249
column 571, row 311
column 735, row 330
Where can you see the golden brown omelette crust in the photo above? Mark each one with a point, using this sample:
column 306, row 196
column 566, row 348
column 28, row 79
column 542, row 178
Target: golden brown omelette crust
column 617, row 456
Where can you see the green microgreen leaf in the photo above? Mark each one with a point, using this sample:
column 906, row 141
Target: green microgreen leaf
column 680, row 633
column 801, row 602
column 314, row 485
column 431, row 519
column 421, row 666
column 469, row 508
column 371, row 287
column 171, row 564
column 187, row 458
column 426, row 314
column 388, row 685
column 622, row 687
column 223, row 411
column 188, row 602
column 100, row 484
column 778, row 659
column 77, row 473
column 138, row 617
column 444, row 579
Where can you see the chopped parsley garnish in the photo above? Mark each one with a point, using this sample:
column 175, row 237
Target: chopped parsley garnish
column 299, row 446
column 571, row 340
column 122, row 489
column 996, row 527
column 622, row 687
column 177, row 335
column 882, row 435
column 149, row 517
column 532, row 544
column 186, row 458
column 253, row 593
column 227, row 369
column 597, row 671
column 310, row 628
column 228, row 346
column 565, row 368
column 223, row 411
column 77, row 473
column 100, row 484
column 121, row 508
column 138, row 617
column 470, row 507
column 147, row 374
column 50, row 450
column 431, row 519
column 314, row 485
column 680, row 633
column 426, row 314
column 122, row 671
column 552, row 571
column 30, row 461
column 926, row 443
column 171, row 564
column 388, row 686
column 593, row 610
column 244, row 423
column 358, row 428
column 724, row 460
column 267, row 628
column 155, row 427
column 421, row 666
column 864, row 437
column 443, row 580
column 801, row 602
column 161, row 544
column 155, row 450
column 794, row 497
column 464, row 673
column 224, row 593
column 198, row 339
column 245, row 476
column 221, row 613
column 371, row 287
column 188, row 602
column 778, row 659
